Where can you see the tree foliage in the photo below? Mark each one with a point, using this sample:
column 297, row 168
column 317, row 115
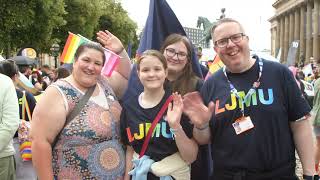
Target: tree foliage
column 115, row 19
column 29, row 23
column 82, row 18
column 40, row 23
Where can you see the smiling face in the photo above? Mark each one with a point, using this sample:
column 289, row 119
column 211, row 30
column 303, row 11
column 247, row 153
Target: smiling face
column 87, row 67
column 152, row 73
column 176, row 55
column 235, row 55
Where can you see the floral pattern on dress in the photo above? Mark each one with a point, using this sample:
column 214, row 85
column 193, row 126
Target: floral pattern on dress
column 83, row 148
column 106, row 161
column 70, row 174
column 99, row 120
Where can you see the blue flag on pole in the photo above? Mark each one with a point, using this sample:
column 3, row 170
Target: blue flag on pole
column 129, row 49
column 161, row 22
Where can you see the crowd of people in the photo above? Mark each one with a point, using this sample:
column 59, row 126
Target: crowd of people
column 244, row 122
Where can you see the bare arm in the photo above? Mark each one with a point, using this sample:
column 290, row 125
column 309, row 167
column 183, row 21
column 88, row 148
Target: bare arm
column 111, row 42
column 202, row 135
column 129, row 156
column 302, row 135
column 33, row 90
column 119, row 78
column 124, row 67
column 200, row 115
column 38, row 86
column 188, row 148
column 118, row 84
column 48, row 119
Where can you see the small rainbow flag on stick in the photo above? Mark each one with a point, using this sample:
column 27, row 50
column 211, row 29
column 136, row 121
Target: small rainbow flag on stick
column 214, row 66
column 72, row 44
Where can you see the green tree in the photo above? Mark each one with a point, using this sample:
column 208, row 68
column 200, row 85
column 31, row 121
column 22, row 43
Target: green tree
column 29, row 23
column 39, row 23
column 82, row 18
column 115, row 19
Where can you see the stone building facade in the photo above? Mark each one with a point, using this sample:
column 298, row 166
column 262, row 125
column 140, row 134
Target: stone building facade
column 196, row 35
column 296, row 20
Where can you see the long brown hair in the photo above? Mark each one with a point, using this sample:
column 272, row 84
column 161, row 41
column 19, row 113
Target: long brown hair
column 187, row 81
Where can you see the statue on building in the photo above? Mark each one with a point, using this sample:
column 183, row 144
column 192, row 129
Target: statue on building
column 207, row 26
column 222, row 13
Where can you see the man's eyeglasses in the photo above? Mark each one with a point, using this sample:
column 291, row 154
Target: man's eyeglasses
column 171, row 53
column 236, row 38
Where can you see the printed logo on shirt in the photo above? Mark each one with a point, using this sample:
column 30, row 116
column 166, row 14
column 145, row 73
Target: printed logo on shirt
column 161, row 129
column 263, row 96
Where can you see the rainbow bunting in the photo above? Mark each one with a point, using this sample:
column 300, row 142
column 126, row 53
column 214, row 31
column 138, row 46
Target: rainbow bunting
column 73, row 42
column 214, row 66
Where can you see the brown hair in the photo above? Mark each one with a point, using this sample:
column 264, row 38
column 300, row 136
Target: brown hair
column 61, row 73
column 153, row 53
column 222, row 21
column 187, row 81
column 9, row 68
column 89, row 45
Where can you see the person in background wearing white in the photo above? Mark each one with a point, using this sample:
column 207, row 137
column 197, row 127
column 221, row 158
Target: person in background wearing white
column 9, row 122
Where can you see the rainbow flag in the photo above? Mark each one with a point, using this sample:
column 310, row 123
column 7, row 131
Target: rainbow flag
column 214, row 66
column 72, row 44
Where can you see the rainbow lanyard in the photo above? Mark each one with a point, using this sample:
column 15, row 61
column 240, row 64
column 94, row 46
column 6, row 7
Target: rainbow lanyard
column 251, row 91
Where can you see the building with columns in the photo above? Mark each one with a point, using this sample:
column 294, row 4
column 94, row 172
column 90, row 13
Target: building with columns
column 296, row 20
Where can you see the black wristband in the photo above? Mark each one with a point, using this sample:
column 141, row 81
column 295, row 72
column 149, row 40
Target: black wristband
column 307, row 177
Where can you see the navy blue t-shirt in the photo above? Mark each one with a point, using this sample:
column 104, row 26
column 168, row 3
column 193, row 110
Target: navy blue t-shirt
column 136, row 119
column 276, row 102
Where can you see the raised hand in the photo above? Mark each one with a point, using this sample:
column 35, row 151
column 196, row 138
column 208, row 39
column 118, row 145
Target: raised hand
column 174, row 111
column 110, row 41
column 194, row 108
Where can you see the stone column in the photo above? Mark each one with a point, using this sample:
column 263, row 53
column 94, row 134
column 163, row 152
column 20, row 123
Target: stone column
column 273, row 31
column 297, row 30
column 286, row 37
column 302, row 36
column 282, row 38
column 308, row 33
column 278, row 36
column 316, row 30
column 291, row 27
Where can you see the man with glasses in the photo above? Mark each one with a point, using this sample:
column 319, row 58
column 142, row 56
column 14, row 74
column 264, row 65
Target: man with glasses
column 253, row 113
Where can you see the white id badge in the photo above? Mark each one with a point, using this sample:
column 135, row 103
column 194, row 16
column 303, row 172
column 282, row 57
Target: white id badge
column 242, row 124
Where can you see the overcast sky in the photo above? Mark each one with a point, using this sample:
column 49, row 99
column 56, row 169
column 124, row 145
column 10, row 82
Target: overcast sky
column 253, row 14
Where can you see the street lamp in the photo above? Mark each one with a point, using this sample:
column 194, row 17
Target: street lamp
column 55, row 52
